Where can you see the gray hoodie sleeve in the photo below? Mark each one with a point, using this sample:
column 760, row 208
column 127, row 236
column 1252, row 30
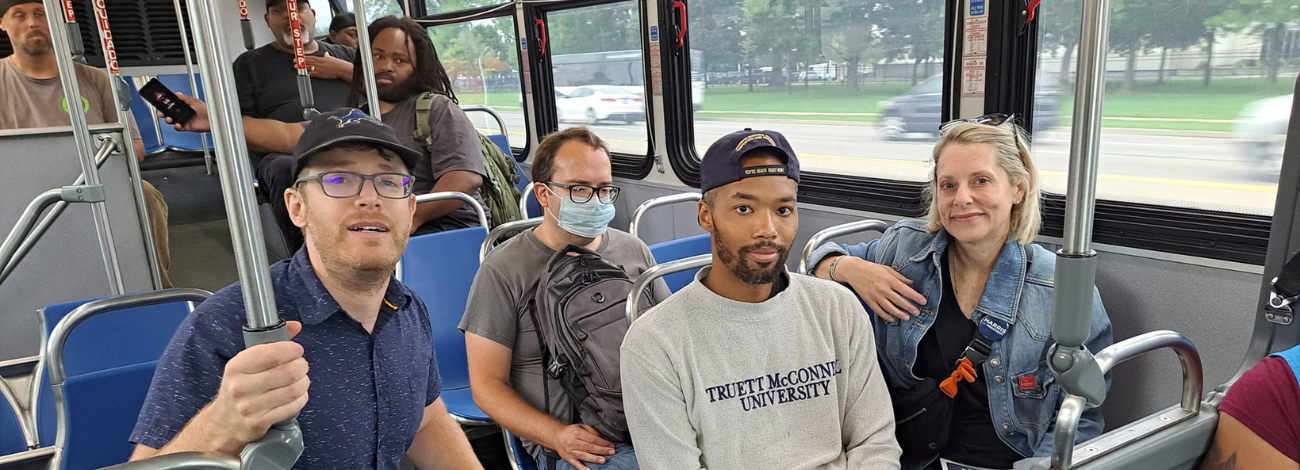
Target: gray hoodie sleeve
column 657, row 413
column 868, row 420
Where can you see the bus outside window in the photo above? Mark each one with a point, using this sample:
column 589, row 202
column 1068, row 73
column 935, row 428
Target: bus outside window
column 482, row 60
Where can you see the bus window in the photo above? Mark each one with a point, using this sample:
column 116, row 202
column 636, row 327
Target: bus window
column 376, row 9
column 1174, row 131
column 434, row 7
column 597, row 70
column 482, row 61
column 853, row 84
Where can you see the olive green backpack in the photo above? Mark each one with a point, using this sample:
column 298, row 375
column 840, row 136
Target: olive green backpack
column 499, row 191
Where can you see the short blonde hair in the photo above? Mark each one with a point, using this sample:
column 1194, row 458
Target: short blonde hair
column 1012, row 155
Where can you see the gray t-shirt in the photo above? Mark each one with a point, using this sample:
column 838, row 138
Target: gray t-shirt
column 791, row 382
column 454, row 146
column 498, row 301
column 268, row 84
column 29, row 102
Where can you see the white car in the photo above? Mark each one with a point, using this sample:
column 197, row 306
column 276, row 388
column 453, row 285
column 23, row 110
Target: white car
column 1261, row 130
column 594, row 103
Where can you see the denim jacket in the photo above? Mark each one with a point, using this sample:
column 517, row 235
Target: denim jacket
column 1023, row 395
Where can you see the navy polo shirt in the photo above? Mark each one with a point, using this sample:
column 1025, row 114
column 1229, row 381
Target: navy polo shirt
column 368, row 390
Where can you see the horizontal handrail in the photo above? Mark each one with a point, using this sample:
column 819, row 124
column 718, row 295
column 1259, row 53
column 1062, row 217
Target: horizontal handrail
column 828, row 234
column 59, row 336
column 182, row 461
column 503, row 230
column 1067, row 421
column 655, row 272
column 491, row 112
column 652, row 203
column 449, row 195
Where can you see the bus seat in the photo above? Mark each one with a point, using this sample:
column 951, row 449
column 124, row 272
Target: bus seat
column 440, row 268
column 146, row 121
column 11, row 432
column 102, row 408
column 681, row 248
column 37, row 459
column 1133, row 447
column 519, row 458
column 98, row 344
column 172, row 138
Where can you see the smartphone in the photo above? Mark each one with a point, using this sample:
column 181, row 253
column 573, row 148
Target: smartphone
column 166, row 102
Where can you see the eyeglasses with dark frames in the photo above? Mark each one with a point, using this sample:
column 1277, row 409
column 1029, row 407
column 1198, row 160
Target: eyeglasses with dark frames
column 345, row 184
column 581, row 193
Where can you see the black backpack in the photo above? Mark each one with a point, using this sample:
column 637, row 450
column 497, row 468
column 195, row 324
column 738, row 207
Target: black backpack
column 580, row 313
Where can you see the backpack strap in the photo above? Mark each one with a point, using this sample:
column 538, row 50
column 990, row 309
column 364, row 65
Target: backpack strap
column 423, row 133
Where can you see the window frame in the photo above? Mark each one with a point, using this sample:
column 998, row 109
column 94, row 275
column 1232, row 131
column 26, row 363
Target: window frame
column 625, row 165
column 478, row 14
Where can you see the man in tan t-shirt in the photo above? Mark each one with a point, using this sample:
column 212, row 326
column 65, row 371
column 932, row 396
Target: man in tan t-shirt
column 32, row 96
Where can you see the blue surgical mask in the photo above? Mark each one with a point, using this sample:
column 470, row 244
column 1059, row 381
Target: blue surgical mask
column 586, row 220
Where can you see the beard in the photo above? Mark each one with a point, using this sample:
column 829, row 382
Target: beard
column 395, row 92
column 359, row 268
column 738, row 263
column 40, row 46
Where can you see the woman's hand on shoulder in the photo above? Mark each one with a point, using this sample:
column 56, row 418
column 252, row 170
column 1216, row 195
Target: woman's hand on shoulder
column 885, row 291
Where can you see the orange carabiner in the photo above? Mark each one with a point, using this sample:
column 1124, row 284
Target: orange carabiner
column 964, row 371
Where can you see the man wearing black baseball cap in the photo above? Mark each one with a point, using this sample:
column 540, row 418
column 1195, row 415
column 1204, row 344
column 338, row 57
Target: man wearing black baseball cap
column 750, row 366
column 373, row 379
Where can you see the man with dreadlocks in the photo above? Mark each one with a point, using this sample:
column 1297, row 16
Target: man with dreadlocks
column 406, row 67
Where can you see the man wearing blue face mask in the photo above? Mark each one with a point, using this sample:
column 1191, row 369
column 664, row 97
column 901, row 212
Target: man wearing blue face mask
column 574, row 184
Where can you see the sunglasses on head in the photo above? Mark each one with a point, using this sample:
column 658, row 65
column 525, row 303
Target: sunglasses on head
column 994, row 119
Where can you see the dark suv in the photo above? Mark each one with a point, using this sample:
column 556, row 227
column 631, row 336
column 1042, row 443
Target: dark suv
column 918, row 111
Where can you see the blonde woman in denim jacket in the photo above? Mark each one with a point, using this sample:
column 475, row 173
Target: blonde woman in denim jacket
column 968, row 270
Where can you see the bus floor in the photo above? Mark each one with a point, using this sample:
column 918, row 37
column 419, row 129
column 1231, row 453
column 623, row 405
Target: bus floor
column 203, row 257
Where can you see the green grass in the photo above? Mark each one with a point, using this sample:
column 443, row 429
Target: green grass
column 501, row 100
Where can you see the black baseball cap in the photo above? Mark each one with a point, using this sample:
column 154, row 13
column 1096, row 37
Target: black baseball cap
column 344, row 126
column 721, row 164
column 6, row 4
column 343, row 21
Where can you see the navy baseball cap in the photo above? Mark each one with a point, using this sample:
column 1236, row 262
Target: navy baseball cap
column 349, row 126
column 721, row 164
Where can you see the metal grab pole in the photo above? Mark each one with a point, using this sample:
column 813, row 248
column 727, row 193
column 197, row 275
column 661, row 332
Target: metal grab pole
column 367, row 59
column 245, row 26
column 122, row 99
column 1076, row 265
column 305, row 96
column 74, row 33
column 189, row 73
column 85, row 151
column 282, row 444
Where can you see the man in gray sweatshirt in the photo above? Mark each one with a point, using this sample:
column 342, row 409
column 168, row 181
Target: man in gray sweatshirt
column 751, row 367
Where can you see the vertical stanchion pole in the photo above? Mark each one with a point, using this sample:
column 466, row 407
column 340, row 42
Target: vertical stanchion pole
column 1073, row 365
column 367, row 59
column 305, row 96
column 189, row 73
column 81, row 137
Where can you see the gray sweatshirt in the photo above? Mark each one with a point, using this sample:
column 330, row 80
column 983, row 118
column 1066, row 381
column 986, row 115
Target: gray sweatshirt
column 790, row 383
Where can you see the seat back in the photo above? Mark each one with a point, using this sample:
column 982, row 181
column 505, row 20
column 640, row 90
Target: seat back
column 11, row 431
column 102, row 409
column 440, row 268
column 145, row 120
column 112, row 339
column 172, row 138
column 681, row 248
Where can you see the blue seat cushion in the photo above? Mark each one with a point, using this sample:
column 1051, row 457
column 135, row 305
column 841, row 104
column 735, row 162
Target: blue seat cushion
column 460, row 402
column 440, row 268
column 11, row 433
